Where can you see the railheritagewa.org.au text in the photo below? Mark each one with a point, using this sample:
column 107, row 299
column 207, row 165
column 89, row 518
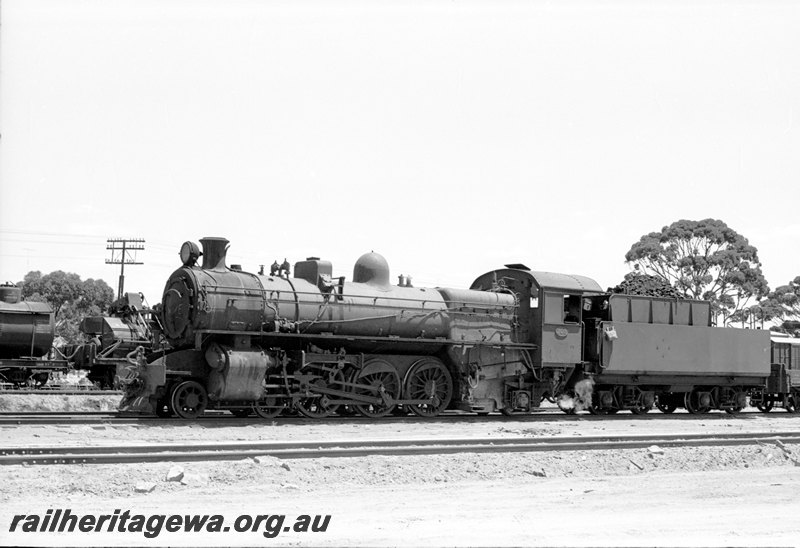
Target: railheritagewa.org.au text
column 64, row 520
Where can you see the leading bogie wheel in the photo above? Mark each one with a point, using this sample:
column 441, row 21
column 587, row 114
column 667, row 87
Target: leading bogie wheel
column 428, row 379
column 268, row 408
column 272, row 404
column 189, row 400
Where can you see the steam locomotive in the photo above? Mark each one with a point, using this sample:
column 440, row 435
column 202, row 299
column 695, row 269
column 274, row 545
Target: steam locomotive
column 109, row 339
column 318, row 345
column 27, row 330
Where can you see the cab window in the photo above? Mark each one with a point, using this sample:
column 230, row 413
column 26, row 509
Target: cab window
column 572, row 308
column 560, row 308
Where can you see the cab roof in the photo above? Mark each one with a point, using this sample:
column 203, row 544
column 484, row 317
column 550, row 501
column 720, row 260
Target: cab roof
column 569, row 283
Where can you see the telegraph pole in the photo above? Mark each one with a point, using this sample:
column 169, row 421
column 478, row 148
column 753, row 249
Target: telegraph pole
column 123, row 251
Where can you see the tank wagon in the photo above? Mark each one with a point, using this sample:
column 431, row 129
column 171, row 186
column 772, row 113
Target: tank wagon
column 27, row 331
column 318, row 344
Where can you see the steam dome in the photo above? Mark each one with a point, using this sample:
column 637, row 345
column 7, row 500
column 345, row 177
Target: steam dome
column 371, row 268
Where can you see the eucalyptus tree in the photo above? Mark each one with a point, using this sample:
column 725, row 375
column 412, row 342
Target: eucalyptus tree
column 703, row 260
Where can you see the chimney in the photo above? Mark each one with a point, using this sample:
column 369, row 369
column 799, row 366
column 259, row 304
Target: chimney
column 214, row 250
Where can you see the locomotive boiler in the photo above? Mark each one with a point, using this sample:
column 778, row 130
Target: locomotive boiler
column 319, row 344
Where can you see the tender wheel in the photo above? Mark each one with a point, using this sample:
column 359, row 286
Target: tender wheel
column 666, row 403
column 317, row 405
column 791, row 403
column 382, row 378
column 692, row 403
column 428, row 379
column 765, row 407
column 736, row 396
column 240, row 412
column 640, row 410
column 189, row 400
column 666, row 407
column 595, row 408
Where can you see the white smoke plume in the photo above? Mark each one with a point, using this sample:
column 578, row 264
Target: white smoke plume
column 582, row 399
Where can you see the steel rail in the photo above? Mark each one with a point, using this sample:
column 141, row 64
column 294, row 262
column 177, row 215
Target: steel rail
column 59, row 392
column 361, row 448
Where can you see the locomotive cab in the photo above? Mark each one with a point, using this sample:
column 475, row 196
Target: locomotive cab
column 551, row 310
column 552, row 316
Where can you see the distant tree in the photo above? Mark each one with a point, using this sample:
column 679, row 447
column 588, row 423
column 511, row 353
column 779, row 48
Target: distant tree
column 71, row 298
column 783, row 303
column 636, row 283
column 792, row 327
column 755, row 316
column 56, row 288
column 703, row 260
column 95, row 297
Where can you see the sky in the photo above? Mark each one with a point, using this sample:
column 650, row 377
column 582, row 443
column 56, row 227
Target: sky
column 450, row 136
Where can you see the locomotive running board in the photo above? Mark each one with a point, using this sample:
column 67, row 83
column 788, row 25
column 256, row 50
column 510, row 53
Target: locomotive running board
column 352, row 338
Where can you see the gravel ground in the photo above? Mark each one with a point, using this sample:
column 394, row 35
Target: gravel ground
column 684, row 496
column 118, row 481
column 24, row 403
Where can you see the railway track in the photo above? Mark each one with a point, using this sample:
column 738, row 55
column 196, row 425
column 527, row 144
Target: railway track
column 360, row 448
column 211, row 418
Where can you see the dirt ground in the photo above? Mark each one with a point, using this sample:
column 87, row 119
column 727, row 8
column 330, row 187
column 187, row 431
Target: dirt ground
column 737, row 496
column 23, row 403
